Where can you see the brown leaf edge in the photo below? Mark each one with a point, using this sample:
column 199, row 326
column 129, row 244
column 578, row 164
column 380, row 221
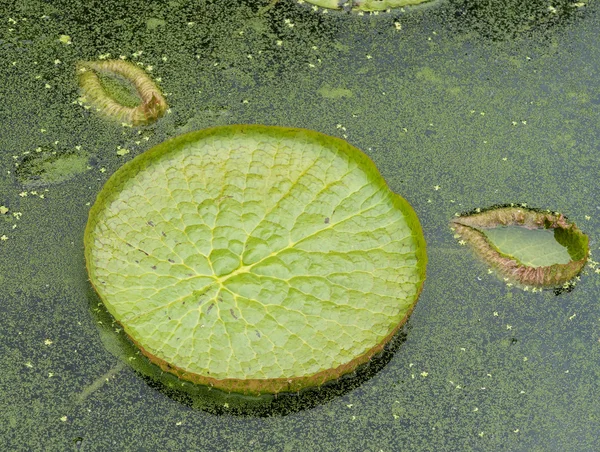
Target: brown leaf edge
column 566, row 233
column 153, row 104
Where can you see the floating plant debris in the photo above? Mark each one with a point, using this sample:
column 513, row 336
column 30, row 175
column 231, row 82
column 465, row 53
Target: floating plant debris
column 532, row 248
column 121, row 90
column 365, row 5
column 255, row 259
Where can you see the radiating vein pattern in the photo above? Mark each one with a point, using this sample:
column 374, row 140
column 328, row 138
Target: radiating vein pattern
column 250, row 252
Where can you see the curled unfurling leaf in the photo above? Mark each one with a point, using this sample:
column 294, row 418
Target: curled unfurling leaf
column 142, row 106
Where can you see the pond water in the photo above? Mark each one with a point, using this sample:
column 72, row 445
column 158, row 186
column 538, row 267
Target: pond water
column 461, row 104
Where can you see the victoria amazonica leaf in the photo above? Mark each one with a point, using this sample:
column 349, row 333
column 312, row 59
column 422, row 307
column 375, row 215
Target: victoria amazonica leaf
column 255, row 259
column 121, row 90
column 529, row 247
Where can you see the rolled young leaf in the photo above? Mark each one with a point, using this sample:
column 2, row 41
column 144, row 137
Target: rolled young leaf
column 151, row 104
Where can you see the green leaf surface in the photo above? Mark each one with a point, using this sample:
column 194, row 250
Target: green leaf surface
column 254, row 258
column 532, row 247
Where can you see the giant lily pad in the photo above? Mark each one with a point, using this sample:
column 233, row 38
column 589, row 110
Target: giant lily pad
column 529, row 247
column 255, row 259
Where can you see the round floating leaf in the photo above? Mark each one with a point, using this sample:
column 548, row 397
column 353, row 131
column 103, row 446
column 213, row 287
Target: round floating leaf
column 255, row 259
column 365, row 5
column 533, row 248
column 121, row 90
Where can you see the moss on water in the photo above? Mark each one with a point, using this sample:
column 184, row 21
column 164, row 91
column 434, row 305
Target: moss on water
column 488, row 106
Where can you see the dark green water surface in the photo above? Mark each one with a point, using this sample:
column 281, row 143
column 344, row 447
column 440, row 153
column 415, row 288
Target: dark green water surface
column 461, row 104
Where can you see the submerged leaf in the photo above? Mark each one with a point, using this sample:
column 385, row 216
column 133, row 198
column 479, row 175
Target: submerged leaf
column 121, row 90
column 533, row 248
column 47, row 166
column 255, row 259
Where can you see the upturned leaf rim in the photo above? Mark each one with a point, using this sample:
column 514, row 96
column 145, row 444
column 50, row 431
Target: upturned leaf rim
column 569, row 235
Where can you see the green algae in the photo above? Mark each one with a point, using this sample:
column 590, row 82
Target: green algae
column 534, row 353
column 502, row 20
